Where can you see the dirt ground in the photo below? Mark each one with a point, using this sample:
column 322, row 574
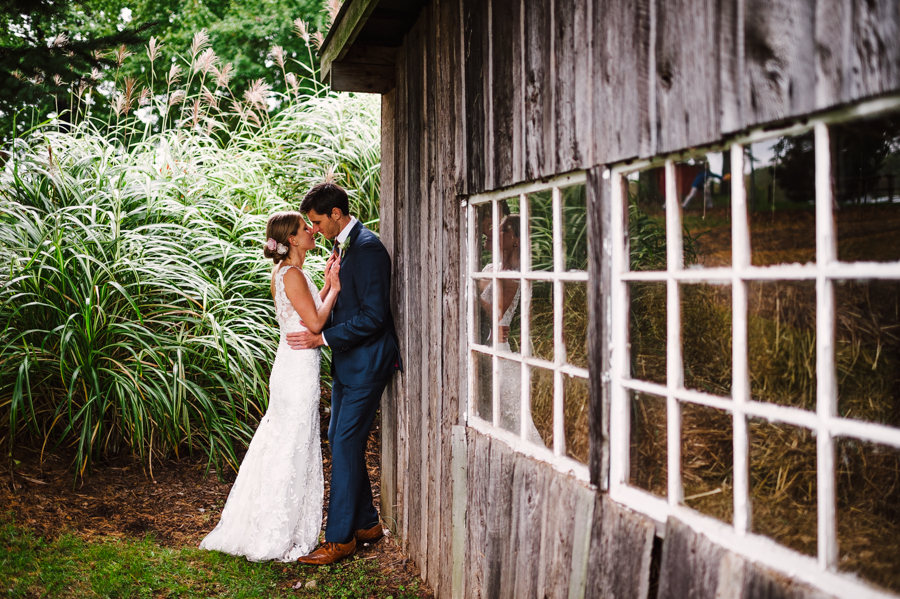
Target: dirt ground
column 178, row 504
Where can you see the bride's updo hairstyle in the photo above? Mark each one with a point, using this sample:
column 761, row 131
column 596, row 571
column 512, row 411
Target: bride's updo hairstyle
column 280, row 227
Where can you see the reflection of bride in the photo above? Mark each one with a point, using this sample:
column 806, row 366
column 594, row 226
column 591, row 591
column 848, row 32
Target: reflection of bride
column 510, row 371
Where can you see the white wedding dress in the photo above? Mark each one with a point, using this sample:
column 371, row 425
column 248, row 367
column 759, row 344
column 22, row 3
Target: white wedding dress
column 274, row 509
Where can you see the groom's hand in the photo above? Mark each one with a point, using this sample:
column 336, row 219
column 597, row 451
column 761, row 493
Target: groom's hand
column 304, row 340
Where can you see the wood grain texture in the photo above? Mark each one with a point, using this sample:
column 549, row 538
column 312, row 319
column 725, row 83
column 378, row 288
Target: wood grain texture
column 583, row 517
column 566, row 42
column 687, row 73
column 475, row 30
column 349, row 23
column 599, row 322
column 539, row 130
column 476, row 512
column 364, row 78
column 459, row 476
column 557, row 534
column 858, row 46
column 621, row 79
column 584, row 83
column 506, row 89
column 530, row 503
column 690, row 564
column 762, row 583
column 387, row 233
column 414, row 391
column 498, row 514
column 621, row 545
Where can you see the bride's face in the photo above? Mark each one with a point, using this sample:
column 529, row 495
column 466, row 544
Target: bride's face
column 304, row 237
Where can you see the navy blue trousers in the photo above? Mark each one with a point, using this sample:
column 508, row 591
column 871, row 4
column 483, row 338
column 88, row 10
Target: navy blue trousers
column 351, row 506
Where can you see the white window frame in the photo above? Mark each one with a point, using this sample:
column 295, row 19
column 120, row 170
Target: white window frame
column 556, row 455
column 820, row 571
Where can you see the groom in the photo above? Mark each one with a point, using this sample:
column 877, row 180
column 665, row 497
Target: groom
column 365, row 354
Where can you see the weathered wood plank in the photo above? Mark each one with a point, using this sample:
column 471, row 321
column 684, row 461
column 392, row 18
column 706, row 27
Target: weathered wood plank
column 858, row 50
column 497, row 523
column 779, row 59
column 687, row 73
column 621, row 546
column 387, row 232
column 621, row 79
column 690, row 564
column 414, row 273
column 505, row 86
column 759, row 582
column 347, row 26
column 599, row 319
column 458, row 465
column 731, row 67
column 475, row 22
column 476, row 514
column 556, row 537
column 363, row 78
column 540, row 147
column 585, row 499
column 566, row 42
column 529, row 495
column 584, row 83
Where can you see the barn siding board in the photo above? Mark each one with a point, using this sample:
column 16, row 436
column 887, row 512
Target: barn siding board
column 621, row 79
column 388, row 218
column 529, row 495
column 414, row 272
column 564, row 80
column 731, row 66
column 505, row 88
column 459, row 476
column 583, row 42
column 687, row 73
column 498, row 511
column 557, row 535
column 599, row 320
column 779, row 59
column 475, row 32
column 617, row 531
column 539, row 121
column 858, row 47
column 690, row 564
column 476, row 514
column 759, row 582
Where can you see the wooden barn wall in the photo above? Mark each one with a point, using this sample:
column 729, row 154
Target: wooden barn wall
column 495, row 92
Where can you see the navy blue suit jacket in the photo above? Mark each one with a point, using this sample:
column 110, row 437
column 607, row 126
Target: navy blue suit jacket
column 360, row 330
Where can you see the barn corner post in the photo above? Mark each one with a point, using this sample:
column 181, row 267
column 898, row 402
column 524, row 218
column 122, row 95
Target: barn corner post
column 697, row 203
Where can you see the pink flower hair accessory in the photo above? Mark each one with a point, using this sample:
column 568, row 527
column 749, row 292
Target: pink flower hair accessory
column 271, row 244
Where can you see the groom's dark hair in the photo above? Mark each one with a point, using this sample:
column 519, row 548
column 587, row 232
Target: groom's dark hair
column 324, row 197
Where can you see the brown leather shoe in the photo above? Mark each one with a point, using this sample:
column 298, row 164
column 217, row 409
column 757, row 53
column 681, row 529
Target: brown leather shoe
column 369, row 535
column 329, row 553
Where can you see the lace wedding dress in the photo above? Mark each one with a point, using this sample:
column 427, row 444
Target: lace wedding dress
column 274, row 509
column 511, row 374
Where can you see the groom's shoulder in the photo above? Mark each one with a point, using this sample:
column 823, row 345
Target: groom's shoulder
column 368, row 238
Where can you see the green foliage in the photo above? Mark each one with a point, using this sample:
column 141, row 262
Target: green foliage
column 135, row 311
column 647, row 241
column 109, row 567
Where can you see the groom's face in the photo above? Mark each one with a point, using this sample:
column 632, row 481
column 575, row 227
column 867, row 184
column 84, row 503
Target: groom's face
column 325, row 224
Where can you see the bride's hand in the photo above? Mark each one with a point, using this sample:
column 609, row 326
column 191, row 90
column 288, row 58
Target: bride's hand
column 333, row 277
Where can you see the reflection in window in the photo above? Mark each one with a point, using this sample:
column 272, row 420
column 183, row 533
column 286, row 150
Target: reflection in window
column 706, row 337
column 647, row 331
column 541, row 320
column 782, row 342
column 780, row 183
column 574, row 214
column 706, row 460
column 645, row 192
column 575, row 323
column 483, row 373
column 510, row 373
column 575, row 415
column 704, row 189
column 867, row 350
column 648, row 459
column 542, row 403
column 783, row 484
column 868, row 510
column 540, row 225
column 866, row 187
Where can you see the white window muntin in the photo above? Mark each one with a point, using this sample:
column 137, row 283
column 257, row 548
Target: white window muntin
column 824, row 422
column 556, row 455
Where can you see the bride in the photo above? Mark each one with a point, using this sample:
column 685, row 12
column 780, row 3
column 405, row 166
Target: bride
column 274, row 509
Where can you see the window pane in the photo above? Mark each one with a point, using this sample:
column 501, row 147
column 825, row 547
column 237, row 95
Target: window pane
column 509, row 234
column 484, row 244
column 574, row 212
column 647, row 331
column 866, row 174
column 644, row 193
column 706, row 460
column 540, row 227
column 706, row 337
column 867, row 350
column 868, row 510
column 783, row 484
column 511, row 398
column 509, row 321
column 575, row 391
column 704, row 189
column 541, row 320
column 482, row 373
column 780, row 182
column 542, row 403
column 648, row 456
column 782, row 338
column 483, row 311
column 575, row 323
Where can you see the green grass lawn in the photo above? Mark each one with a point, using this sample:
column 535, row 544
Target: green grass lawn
column 70, row 566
